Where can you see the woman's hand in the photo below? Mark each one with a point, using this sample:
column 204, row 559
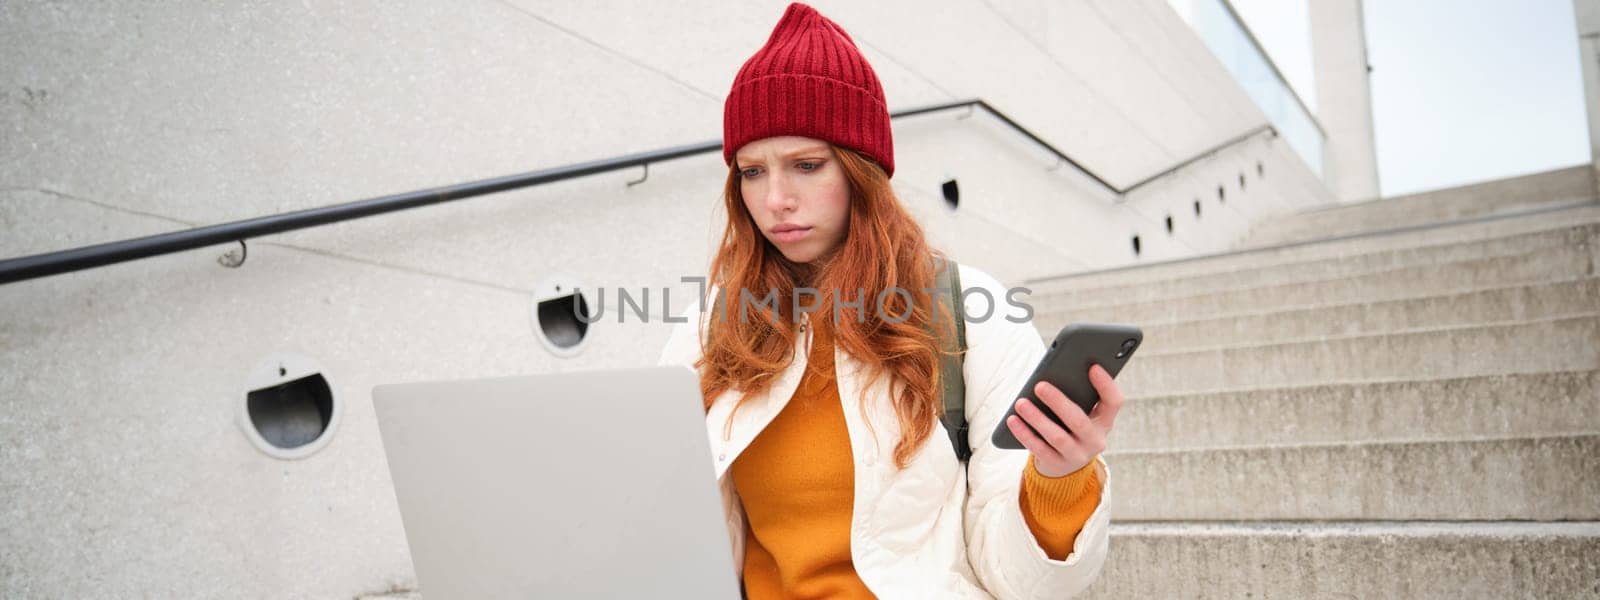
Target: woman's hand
column 1057, row 452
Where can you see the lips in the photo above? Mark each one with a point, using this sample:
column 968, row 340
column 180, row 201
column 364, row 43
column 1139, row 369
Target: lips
column 788, row 232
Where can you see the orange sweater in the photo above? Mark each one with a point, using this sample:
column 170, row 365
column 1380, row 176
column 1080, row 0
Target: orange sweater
column 797, row 478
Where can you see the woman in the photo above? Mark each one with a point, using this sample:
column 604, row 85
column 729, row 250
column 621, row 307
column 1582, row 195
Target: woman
column 837, row 477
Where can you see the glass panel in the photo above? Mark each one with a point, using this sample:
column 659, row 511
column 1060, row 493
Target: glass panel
column 1220, row 29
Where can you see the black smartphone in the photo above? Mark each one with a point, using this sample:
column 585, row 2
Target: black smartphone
column 1066, row 366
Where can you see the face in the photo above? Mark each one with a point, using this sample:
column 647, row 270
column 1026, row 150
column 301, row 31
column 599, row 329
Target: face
column 796, row 191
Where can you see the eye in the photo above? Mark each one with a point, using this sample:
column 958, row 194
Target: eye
column 809, row 166
column 750, row 172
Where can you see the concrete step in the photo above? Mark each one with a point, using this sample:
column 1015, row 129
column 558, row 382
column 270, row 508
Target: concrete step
column 1543, row 266
column 1448, row 233
column 1512, row 194
column 1538, row 478
column 1562, row 344
column 1324, row 269
column 1412, row 560
column 1524, row 404
column 1521, row 302
column 1357, row 221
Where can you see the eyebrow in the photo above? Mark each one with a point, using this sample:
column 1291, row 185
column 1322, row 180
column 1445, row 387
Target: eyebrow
column 818, row 149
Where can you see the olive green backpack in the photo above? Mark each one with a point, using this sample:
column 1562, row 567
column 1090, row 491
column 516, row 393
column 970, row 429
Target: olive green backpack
column 952, row 353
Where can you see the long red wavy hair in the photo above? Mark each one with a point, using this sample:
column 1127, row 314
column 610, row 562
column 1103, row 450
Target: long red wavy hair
column 883, row 248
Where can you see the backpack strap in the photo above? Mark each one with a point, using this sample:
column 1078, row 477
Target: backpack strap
column 953, row 352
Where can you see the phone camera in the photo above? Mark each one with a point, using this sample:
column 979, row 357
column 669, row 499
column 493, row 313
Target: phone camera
column 1127, row 346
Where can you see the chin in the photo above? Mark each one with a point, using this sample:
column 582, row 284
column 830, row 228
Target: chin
column 797, row 255
column 801, row 256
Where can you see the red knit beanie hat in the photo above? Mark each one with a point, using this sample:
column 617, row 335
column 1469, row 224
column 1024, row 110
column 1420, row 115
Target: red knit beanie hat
column 809, row 80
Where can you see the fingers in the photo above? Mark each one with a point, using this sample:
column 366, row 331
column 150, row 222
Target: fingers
column 1111, row 399
column 1052, row 433
column 1071, row 414
column 1052, row 444
column 1084, row 438
column 1029, row 439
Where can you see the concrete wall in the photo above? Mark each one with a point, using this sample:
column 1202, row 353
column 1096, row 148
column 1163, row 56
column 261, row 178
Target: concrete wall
column 1588, row 20
column 125, row 469
column 1344, row 99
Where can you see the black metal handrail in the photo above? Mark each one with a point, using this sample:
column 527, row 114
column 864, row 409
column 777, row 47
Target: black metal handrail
column 87, row 257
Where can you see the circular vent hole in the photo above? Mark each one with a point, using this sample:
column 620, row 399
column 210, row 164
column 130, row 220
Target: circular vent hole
column 289, row 409
column 559, row 319
column 563, row 313
column 293, row 414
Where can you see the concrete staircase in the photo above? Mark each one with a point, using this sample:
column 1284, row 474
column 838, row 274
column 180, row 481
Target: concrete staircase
column 1399, row 399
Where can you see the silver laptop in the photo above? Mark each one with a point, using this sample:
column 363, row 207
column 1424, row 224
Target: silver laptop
column 595, row 484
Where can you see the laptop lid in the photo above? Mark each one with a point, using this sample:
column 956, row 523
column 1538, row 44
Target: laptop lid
column 594, row 484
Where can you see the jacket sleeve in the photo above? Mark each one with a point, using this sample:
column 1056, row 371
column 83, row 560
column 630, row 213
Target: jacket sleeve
column 1056, row 508
column 1003, row 551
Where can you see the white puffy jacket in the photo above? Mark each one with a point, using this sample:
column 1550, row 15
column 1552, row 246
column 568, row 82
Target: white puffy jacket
column 936, row 529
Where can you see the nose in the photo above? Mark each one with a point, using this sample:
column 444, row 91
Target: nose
column 780, row 195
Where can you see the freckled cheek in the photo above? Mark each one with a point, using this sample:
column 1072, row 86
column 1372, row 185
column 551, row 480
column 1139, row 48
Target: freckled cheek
column 751, row 206
column 839, row 205
column 749, row 194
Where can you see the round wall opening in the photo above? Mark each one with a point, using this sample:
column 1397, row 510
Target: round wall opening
column 289, row 410
column 562, row 314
